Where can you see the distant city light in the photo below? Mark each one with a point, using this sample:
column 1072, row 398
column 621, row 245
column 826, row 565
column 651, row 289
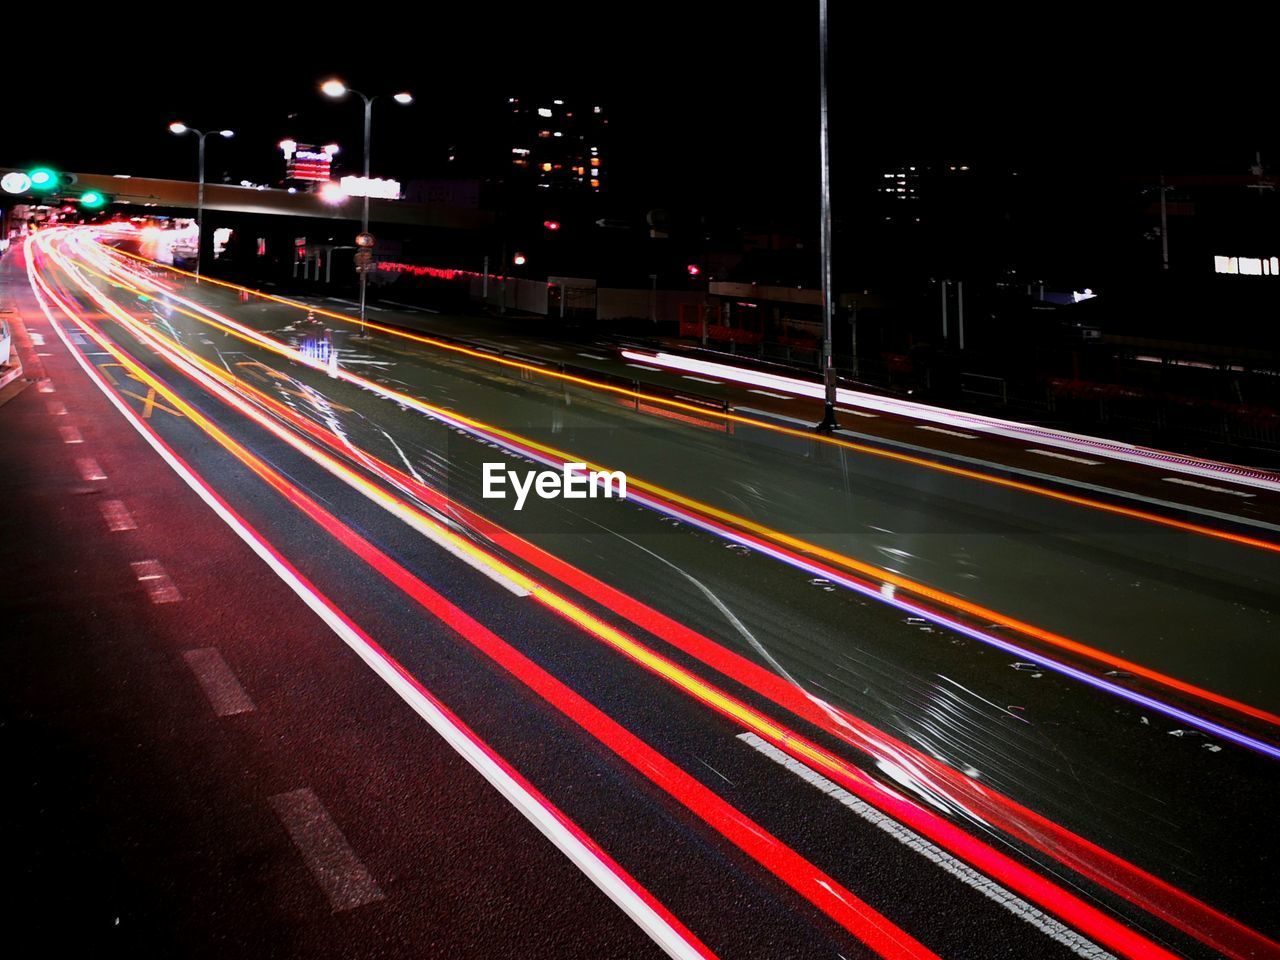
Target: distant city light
column 551, row 224
column 518, row 260
column 558, row 103
column 693, row 269
column 332, row 193
column 331, row 149
column 544, row 111
column 333, row 88
column 288, row 147
column 1248, row 266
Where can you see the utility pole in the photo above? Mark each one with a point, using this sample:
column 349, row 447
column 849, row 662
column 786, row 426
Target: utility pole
column 828, row 370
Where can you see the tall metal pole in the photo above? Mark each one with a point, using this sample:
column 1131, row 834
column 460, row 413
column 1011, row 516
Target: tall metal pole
column 200, row 208
column 364, row 217
column 828, row 370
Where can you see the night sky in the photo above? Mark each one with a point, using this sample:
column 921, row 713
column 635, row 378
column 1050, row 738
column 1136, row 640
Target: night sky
column 712, row 104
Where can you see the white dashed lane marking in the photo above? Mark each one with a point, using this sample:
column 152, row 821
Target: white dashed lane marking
column 687, row 376
column 1207, row 486
column 89, row 469
column 44, row 386
column 219, row 684
column 641, row 366
column 857, row 413
column 770, row 393
column 70, row 435
column 930, row 851
column 56, row 408
column 152, row 576
column 1064, row 456
column 117, row 516
column 329, row 857
column 951, row 433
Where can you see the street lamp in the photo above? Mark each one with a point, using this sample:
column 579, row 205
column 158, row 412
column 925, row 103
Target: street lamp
column 179, row 128
column 336, row 88
column 828, row 423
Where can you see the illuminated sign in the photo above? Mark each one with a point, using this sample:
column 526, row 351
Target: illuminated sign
column 305, row 162
column 15, row 182
column 373, row 187
column 1248, row 266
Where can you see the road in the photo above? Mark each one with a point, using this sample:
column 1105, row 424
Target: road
column 883, row 701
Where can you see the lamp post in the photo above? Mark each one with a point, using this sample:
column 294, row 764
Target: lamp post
column 828, row 370
column 179, row 128
column 337, row 89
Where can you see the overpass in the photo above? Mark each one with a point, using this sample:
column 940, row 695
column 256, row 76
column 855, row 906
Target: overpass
column 149, row 192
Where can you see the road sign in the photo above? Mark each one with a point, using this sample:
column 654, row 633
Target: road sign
column 364, row 261
column 364, row 240
column 15, row 182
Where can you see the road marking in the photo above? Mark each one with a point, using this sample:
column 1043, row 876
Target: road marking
column 219, row 684
column 685, row 376
column 70, row 435
column 953, row 433
column 981, row 883
column 1207, row 486
column 89, row 469
column 1065, row 456
column 117, row 516
column 56, row 408
column 37, row 339
column 45, row 386
column 341, row 875
column 770, row 393
column 592, row 356
column 152, row 576
column 858, row 413
column 641, row 366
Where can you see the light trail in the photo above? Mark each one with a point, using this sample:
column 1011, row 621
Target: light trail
column 730, row 417
column 799, row 554
column 821, row 890
column 783, row 737
column 629, row 895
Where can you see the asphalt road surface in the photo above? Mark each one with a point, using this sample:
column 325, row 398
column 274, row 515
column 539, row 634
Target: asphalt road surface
column 792, row 696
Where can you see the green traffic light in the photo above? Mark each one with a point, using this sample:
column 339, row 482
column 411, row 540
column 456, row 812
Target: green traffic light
column 92, row 200
column 42, row 178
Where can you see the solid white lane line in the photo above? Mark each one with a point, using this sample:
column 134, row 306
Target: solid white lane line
column 343, row 878
column 1206, row 486
column 89, row 469
column 685, row 376
column 226, row 695
column 979, row 882
column 770, row 393
column 952, row 433
column 117, row 516
column 1064, row 456
column 56, row 408
column 70, row 435
column 152, row 576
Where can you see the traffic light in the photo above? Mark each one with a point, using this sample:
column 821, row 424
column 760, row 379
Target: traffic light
column 552, row 225
column 694, row 269
column 43, row 179
column 94, row 200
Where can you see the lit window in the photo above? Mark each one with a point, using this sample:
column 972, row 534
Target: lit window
column 559, row 134
column 544, row 111
column 595, row 183
column 546, row 167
